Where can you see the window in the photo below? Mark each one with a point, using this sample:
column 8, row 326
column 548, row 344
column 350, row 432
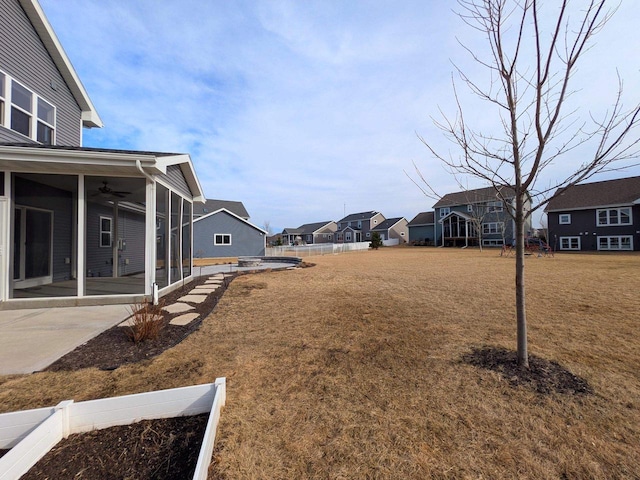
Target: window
column 495, row 206
column 492, row 227
column 569, row 243
column 564, row 219
column 309, row 238
column 368, row 234
column 46, row 119
column 106, row 238
column 402, row 234
column 621, row 242
column 494, row 242
column 25, row 112
column 445, row 211
column 20, row 109
column 470, row 208
column 2, row 97
column 347, row 237
column 614, row 216
column 222, row 239
column 359, row 224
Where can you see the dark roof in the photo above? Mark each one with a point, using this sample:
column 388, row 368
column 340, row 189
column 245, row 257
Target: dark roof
column 623, row 191
column 465, row 197
column 359, row 216
column 387, row 224
column 87, row 149
column 211, row 206
column 291, row 231
column 423, row 218
column 309, row 228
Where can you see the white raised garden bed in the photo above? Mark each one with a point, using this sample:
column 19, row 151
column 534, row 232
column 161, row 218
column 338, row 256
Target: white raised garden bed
column 30, row 434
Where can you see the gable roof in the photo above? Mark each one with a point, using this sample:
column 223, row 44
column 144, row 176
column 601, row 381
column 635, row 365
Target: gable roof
column 359, row 216
column 622, row 191
column 388, row 223
column 231, row 214
column 310, row 228
column 214, row 205
column 291, row 231
column 465, row 197
column 457, row 214
column 423, row 218
column 38, row 19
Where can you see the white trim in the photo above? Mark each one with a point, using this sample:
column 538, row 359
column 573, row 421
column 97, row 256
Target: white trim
column 237, row 217
column 23, row 282
column 618, row 238
column 570, row 244
column 567, row 220
column 486, row 228
column 591, row 207
column 222, row 243
column 492, row 242
column 618, row 210
column 110, row 232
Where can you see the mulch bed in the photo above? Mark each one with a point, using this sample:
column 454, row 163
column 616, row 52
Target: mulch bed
column 150, row 449
column 113, row 347
column 543, row 376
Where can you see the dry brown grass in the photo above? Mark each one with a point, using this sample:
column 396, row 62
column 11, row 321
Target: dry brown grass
column 352, row 369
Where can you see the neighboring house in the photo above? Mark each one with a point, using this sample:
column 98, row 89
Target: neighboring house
column 224, row 234
column 601, row 216
column 393, row 228
column 319, row 232
column 291, row 236
column 469, row 217
column 422, row 228
column 210, row 206
column 357, row 227
column 79, row 225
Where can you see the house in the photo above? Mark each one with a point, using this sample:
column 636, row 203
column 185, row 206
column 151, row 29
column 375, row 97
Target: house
column 471, row 217
column 223, row 233
column 393, row 229
column 237, row 208
column 311, row 233
column 422, row 229
column 357, row 227
column 601, row 216
column 79, row 226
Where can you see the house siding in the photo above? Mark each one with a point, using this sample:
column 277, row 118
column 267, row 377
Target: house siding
column 24, row 57
column 584, row 225
column 245, row 239
column 175, row 179
column 421, row 233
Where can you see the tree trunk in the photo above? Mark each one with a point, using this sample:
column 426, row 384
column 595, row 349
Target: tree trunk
column 521, row 312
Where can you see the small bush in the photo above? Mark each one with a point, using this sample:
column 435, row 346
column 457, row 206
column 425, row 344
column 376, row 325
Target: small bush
column 146, row 321
column 376, row 241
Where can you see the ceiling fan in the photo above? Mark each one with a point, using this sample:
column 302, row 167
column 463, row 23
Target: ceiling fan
column 107, row 191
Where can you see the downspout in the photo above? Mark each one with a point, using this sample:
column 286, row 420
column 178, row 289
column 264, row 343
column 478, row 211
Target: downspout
column 154, row 285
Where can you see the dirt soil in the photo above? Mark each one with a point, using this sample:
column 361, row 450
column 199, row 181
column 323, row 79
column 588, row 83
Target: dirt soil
column 112, row 348
column 151, row 449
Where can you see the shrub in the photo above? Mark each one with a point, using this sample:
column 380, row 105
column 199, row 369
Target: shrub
column 376, row 241
column 146, row 322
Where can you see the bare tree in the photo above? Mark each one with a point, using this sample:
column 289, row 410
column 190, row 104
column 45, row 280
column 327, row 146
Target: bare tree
column 266, row 226
column 531, row 69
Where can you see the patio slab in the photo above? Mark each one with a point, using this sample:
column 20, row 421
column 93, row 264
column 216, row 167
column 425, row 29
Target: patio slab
column 178, row 308
column 193, row 298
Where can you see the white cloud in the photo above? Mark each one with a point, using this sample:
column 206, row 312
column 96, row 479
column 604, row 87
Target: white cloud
column 294, row 108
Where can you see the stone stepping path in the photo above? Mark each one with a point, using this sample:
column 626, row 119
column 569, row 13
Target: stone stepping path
column 203, row 289
column 193, row 298
column 184, row 319
column 178, row 308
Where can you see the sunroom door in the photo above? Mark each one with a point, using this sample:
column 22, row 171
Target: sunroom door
column 33, row 247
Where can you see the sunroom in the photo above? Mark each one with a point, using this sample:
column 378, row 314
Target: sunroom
column 86, row 226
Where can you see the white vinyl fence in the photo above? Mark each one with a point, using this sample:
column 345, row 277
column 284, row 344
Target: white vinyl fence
column 323, row 248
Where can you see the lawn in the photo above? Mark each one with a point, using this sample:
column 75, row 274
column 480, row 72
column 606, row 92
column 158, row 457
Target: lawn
column 353, row 369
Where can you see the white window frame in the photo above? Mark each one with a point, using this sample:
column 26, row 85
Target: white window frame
column 368, row 234
column 564, row 219
column 444, row 211
column 618, row 210
column 570, row 243
column 347, row 236
column 469, row 208
column 219, row 239
column 105, row 232
column 492, row 228
column 495, row 206
column 3, row 97
column 492, row 242
column 613, row 240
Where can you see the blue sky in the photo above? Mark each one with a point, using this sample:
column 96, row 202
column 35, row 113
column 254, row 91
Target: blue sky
column 301, row 110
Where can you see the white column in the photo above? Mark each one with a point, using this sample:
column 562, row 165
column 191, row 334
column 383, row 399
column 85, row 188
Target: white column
column 82, row 236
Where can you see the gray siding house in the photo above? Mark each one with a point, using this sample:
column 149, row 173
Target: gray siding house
column 597, row 216
column 310, row 233
column 357, row 227
column 79, row 226
column 469, row 217
column 224, row 234
column 422, row 229
column 393, row 229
